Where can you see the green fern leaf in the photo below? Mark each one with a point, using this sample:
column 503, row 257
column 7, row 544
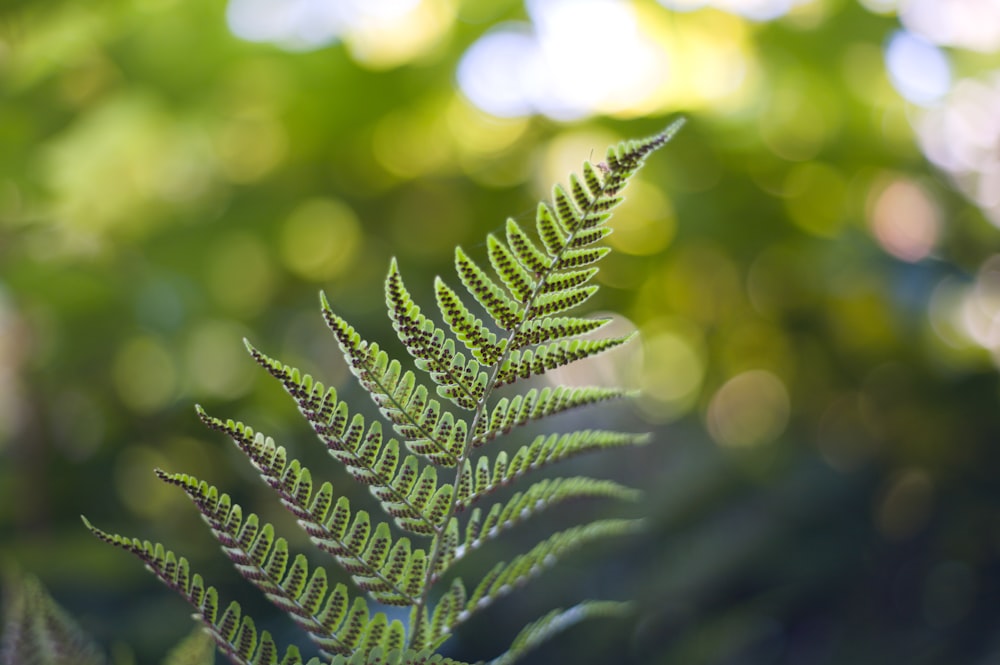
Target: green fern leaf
column 545, row 450
column 541, row 495
column 525, row 251
column 535, row 405
column 555, row 622
column 39, row 632
column 355, row 626
column 455, row 377
column 401, row 400
column 532, row 362
column 550, row 230
column 433, row 351
column 332, row 531
column 551, row 303
column 554, row 328
column 447, row 549
column 584, row 190
column 504, row 578
column 481, row 341
column 515, row 277
column 592, row 184
column 449, row 612
column 569, row 280
column 198, row 648
column 522, row 330
column 366, row 459
column 569, row 216
column 505, row 312
column 232, row 632
column 577, row 258
column 589, row 236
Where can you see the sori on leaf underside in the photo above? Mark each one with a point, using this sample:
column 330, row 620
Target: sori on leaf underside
column 434, row 477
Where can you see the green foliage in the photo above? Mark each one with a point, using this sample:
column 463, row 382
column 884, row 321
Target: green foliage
column 37, row 631
column 166, row 188
column 198, row 648
column 438, row 468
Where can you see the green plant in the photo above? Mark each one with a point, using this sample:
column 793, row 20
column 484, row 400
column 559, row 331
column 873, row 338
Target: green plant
column 529, row 335
column 37, row 631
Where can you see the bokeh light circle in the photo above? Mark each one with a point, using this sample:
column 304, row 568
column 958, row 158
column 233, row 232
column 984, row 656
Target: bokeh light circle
column 750, row 409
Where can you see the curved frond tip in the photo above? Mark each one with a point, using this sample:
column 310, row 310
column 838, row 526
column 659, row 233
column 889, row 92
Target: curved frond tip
column 541, row 630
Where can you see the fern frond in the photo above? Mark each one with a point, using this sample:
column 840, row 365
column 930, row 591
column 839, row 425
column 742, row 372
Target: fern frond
column 556, row 621
column 626, row 158
column 542, row 451
column 448, row 613
column 583, row 190
column 505, row 577
column 366, row 459
column 532, row 362
column 554, row 328
column 471, row 331
column 264, row 560
column 522, row 505
column 402, row 401
column 505, row 312
column 550, row 230
column 537, row 404
column 330, row 526
column 577, row 258
column 520, row 329
column 433, row 351
column 460, row 381
column 552, row 302
column 570, row 216
column 569, row 279
column 234, row 634
column 515, row 277
column 533, row 259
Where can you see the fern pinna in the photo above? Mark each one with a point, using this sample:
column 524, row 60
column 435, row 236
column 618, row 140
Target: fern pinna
column 435, row 478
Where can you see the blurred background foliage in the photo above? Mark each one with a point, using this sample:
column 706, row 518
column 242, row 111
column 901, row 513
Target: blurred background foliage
column 814, row 263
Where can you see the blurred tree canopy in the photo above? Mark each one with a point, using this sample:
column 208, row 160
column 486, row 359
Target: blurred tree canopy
column 814, row 264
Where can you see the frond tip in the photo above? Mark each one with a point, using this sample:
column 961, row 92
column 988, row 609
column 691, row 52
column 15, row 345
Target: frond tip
column 556, row 621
